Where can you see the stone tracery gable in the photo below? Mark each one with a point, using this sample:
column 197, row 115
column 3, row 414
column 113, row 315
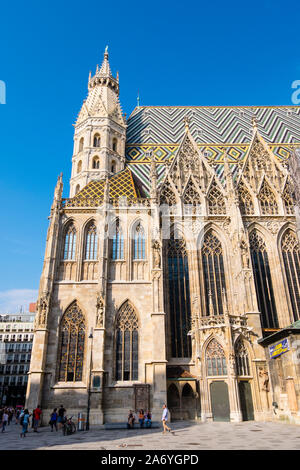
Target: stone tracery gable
column 260, row 161
column 187, row 162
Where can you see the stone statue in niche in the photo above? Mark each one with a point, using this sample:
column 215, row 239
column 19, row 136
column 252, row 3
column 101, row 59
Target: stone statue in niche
column 100, row 311
column 156, row 254
column 244, row 255
column 264, row 379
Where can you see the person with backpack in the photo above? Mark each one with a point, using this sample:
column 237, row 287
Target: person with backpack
column 24, row 421
column 53, row 419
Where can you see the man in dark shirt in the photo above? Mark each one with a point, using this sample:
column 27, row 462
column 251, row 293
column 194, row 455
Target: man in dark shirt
column 61, row 416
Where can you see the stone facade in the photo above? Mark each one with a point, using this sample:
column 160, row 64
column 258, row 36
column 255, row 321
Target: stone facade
column 170, row 290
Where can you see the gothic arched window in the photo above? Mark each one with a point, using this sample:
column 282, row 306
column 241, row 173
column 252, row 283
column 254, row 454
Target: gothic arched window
column 113, row 166
column 216, row 202
column 290, row 248
column 215, row 359
column 127, row 343
column 79, row 166
column 245, row 200
column 117, row 244
column 213, row 272
column 91, row 242
column 178, row 303
column 81, row 144
column 70, row 242
column 96, row 163
column 72, row 338
column 242, row 359
column 97, row 140
column 115, row 144
column 263, row 281
column 139, row 242
column 267, row 200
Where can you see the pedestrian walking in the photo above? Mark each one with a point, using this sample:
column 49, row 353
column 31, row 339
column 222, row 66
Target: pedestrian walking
column 24, row 421
column 61, row 416
column 4, row 419
column 36, row 418
column 164, row 419
column 53, row 419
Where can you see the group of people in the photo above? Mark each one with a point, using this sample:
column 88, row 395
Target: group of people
column 22, row 417
column 146, row 419
column 143, row 418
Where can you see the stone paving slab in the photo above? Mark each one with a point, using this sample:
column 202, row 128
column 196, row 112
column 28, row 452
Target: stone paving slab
column 187, row 436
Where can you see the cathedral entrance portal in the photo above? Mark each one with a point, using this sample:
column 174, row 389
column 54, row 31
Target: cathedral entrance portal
column 219, row 401
column 182, row 400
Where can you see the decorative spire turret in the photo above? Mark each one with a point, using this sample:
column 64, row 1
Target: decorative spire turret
column 104, row 76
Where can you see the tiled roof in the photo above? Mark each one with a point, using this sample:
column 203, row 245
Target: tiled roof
column 161, row 128
column 120, row 184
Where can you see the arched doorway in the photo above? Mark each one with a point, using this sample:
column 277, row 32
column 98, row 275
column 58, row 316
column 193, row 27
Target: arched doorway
column 173, row 401
column 219, row 401
column 188, row 402
column 246, row 400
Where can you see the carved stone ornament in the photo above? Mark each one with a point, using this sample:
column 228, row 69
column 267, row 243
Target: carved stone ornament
column 232, row 364
column 43, row 309
column 100, row 312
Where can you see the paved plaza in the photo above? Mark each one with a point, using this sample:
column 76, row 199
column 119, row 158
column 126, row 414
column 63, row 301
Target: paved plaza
column 187, row 436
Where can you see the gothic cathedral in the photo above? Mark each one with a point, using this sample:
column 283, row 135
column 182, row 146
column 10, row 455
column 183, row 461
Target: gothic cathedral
column 175, row 253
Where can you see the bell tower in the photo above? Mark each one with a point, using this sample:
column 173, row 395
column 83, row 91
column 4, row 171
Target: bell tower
column 100, row 131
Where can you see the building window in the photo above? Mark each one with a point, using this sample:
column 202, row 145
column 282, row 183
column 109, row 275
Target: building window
column 178, row 301
column 72, row 336
column 91, row 244
column 115, row 144
column 79, row 166
column 290, row 248
column 96, row 163
column 117, row 242
column 127, row 343
column 77, row 189
column 263, row 281
column 139, row 242
column 242, row 359
column 214, row 274
column 113, row 167
column 215, row 359
column 81, row 144
column 70, row 243
column 97, row 140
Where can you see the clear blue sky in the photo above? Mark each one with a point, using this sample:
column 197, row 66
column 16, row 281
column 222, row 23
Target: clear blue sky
column 175, row 53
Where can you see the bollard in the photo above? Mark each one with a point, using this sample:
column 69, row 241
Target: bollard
column 81, row 422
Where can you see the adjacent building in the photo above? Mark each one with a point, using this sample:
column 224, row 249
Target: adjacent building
column 176, row 251
column 16, row 338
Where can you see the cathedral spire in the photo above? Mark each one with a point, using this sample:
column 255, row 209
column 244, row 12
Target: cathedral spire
column 105, row 67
